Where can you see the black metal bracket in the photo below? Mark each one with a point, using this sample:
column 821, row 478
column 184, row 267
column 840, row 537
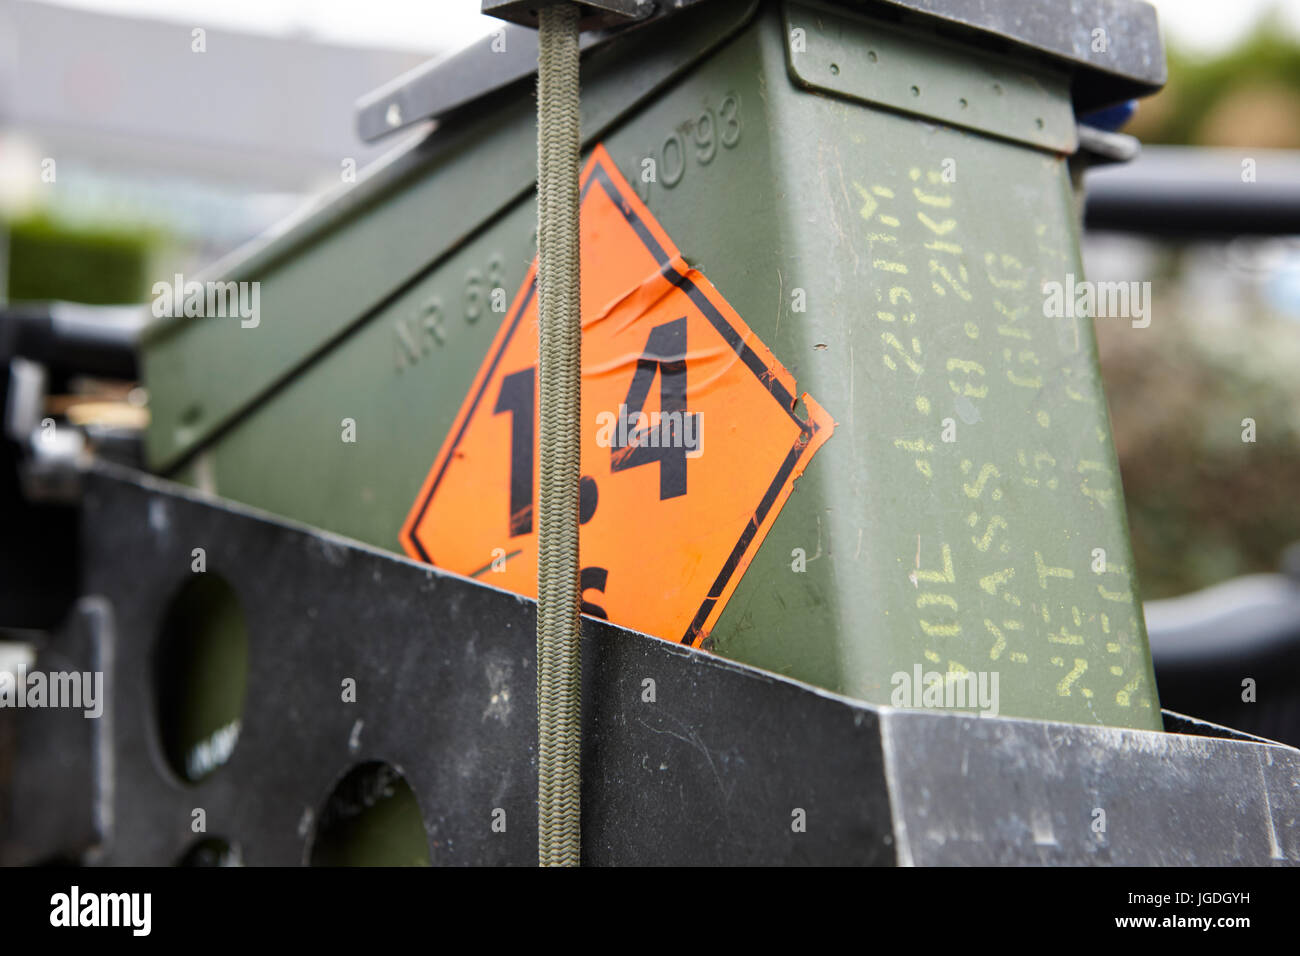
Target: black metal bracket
column 440, row 87
column 1131, row 64
column 595, row 14
column 714, row 767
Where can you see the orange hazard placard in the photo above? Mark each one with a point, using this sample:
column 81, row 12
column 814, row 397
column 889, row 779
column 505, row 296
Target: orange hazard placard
column 691, row 441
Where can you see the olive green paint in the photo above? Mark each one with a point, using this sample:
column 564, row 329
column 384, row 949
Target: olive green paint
column 973, row 554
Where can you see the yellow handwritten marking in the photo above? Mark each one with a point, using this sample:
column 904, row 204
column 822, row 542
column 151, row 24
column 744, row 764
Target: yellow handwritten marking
column 989, row 530
column 1039, row 459
column 1113, row 647
column 940, row 630
column 1020, row 657
column 970, row 368
column 987, row 472
column 1024, row 463
column 888, row 266
column 975, row 391
column 1008, row 261
column 919, row 445
column 869, row 205
column 886, row 316
column 1119, row 597
column 1000, row 644
column 928, row 599
column 891, row 340
column 1014, row 333
column 1044, row 419
column 898, row 292
column 932, row 199
column 938, row 228
column 1116, row 670
column 1035, row 381
column 946, row 576
column 991, row 582
column 938, row 268
column 949, row 247
column 932, row 657
column 1124, row 697
column 1045, row 571
column 1065, row 637
column 923, row 405
column 1103, row 496
column 1063, row 688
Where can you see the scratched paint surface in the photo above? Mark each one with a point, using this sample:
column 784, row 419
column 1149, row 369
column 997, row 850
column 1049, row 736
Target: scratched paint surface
column 920, row 252
column 966, row 354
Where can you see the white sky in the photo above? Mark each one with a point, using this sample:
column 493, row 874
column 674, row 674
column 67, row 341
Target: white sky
column 439, row 25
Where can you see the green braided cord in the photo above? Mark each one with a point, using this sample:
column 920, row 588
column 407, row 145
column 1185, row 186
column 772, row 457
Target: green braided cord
column 559, row 660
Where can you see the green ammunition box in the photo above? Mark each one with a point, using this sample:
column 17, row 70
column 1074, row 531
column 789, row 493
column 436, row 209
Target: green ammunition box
column 882, row 191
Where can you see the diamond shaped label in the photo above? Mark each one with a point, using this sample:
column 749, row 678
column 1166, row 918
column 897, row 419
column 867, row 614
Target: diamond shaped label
column 691, row 436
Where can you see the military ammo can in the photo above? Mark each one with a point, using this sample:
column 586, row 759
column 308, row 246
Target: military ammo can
column 834, row 429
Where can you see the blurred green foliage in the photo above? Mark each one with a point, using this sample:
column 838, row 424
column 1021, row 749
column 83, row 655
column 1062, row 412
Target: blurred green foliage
column 1247, row 96
column 100, row 266
column 1203, row 504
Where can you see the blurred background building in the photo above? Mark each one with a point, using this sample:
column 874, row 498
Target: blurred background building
column 107, row 175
